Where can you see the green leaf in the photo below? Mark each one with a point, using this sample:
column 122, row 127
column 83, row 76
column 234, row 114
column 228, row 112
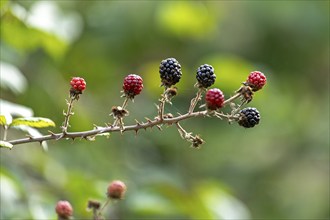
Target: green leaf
column 8, row 109
column 216, row 198
column 4, row 144
column 3, row 120
column 24, row 38
column 12, row 78
column 36, row 122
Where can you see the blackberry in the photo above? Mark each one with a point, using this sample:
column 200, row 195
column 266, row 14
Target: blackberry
column 214, row 99
column 205, row 76
column 133, row 85
column 170, row 72
column 116, row 189
column 256, row 80
column 78, row 84
column 63, row 210
column 249, row 117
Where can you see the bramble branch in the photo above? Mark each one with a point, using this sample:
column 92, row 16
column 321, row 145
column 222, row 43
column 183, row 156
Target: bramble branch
column 170, row 74
column 110, row 129
column 89, row 134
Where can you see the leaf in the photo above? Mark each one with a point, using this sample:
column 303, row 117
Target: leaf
column 3, row 120
column 4, row 144
column 220, row 202
column 12, row 78
column 36, row 122
column 25, row 38
column 9, row 109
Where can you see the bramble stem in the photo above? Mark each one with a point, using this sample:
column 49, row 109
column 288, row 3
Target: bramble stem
column 183, row 133
column 237, row 95
column 229, row 117
column 105, row 204
column 5, row 127
column 161, row 106
column 101, row 130
column 67, row 115
column 160, row 120
column 95, row 214
column 195, row 100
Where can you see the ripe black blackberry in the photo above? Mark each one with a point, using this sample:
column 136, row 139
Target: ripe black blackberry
column 170, row 72
column 249, row 117
column 205, row 76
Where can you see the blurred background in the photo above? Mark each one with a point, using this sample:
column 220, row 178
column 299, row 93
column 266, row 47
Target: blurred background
column 277, row 170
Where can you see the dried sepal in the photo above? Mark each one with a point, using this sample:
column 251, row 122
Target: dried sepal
column 196, row 141
column 119, row 112
column 170, row 93
column 94, row 205
column 246, row 93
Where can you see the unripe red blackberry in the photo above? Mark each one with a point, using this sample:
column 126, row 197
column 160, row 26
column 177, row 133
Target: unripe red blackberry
column 116, row 189
column 256, row 80
column 205, row 76
column 133, row 85
column 249, row 117
column 64, row 209
column 78, row 84
column 214, row 99
column 170, row 72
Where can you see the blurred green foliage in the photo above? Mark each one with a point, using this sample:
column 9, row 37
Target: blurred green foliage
column 278, row 170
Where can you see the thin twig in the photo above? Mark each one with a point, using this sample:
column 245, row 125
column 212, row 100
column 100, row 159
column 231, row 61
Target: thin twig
column 101, row 130
column 161, row 106
column 105, row 204
column 237, row 95
column 182, row 132
column 67, row 115
column 5, row 127
column 195, row 100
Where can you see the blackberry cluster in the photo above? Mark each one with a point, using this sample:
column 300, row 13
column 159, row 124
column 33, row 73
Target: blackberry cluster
column 249, row 117
column 170, row 72
column 205, row 76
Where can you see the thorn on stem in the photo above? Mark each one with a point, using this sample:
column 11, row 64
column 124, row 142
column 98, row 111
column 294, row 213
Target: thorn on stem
column 148, row 119
column 52, row 133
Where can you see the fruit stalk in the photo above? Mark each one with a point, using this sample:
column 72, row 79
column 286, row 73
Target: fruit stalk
column 195, row 100
column 161, row 107
column 67, row 115
column 5, row 127
column 231, row 99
